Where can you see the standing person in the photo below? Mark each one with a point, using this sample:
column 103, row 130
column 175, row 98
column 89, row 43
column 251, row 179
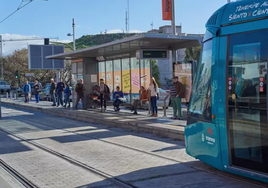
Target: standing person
column 36, row 90
column 79, row 89
column 176, row 92
column 104, row 95
column 60, row 90
column 139, row 102
column 52, row 91
column 27, row 91
column 154, row 93
column 117, row 95
column 67, row 94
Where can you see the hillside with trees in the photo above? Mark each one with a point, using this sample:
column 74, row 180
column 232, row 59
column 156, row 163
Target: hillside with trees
column 94, row 40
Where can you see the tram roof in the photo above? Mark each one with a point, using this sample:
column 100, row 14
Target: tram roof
column 133, row 43
column 238, row 12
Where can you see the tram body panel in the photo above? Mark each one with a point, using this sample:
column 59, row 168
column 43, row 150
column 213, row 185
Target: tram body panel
column 236, row 88
column 220, row 105
column 202, row 143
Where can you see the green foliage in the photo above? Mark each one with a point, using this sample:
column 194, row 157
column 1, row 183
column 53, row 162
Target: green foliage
column 93, row 40
column 192, row 53
column 156, row 72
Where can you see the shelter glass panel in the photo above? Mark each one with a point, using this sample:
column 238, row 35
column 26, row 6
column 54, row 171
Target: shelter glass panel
column 135, row 78
column 102, row 70
column 117, row 73
column 109, row 75
column 126, row 78
column 80, row 68
column 145, row 73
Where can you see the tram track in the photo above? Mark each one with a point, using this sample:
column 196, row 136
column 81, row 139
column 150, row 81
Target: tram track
column 115, row 180
column 19, row 177
column 102, row 174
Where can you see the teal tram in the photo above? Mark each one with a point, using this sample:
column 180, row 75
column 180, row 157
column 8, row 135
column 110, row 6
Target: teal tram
column 227, row 119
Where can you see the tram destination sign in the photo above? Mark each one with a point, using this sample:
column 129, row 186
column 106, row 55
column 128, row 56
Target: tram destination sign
column 152, row 54
column 244, row 11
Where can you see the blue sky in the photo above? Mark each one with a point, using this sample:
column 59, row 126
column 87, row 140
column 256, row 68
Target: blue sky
column 53, row 18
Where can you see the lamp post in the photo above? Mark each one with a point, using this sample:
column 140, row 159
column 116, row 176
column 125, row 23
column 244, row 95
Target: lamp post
column 173, row 29
column 1, row 57
column 69, row 35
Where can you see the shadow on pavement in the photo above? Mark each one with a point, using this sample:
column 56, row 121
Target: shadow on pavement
column 43, row 122
column 175, row 176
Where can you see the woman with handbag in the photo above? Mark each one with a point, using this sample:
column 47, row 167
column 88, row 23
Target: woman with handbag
column 154, row 96
column 104, row 95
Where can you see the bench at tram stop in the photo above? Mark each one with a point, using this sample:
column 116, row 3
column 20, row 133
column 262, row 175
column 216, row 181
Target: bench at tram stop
column 94, row 104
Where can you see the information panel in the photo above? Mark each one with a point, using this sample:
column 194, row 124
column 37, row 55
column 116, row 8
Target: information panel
column 152, row 54
column 37, row 57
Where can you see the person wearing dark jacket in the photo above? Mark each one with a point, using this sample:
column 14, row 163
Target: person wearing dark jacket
column 79, row 89
column 60, row 90
column 105, row 95
column 52, row 91
column 177, row 93
column 67, row 94
column 36, row 90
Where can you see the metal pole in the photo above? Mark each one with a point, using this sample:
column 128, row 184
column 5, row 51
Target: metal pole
column 128, row 15
column 2, row 75
column 73, row 35
column 58, row 76
column 1, row 56
column 165, row 105
column 173, row 28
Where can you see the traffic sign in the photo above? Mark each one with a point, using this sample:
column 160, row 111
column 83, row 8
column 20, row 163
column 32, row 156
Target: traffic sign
column 29, row 74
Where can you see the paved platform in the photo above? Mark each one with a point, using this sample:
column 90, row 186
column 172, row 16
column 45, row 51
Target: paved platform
column 141, row 160
column 161, row 126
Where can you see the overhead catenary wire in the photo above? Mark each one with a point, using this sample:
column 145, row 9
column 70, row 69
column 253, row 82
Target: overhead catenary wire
column 19, row 7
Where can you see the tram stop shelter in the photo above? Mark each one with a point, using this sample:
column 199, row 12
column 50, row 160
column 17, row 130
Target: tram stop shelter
column 125, row 63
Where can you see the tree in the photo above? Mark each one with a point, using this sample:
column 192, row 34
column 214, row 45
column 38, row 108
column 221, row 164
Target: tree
column 19, row 61
column 156, row 72
column 192, row 53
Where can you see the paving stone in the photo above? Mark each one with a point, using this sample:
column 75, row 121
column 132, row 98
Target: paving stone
column 129, row 156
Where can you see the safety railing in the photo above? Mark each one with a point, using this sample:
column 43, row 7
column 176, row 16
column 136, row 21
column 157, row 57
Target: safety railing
column 11, row 95
column 165, row 105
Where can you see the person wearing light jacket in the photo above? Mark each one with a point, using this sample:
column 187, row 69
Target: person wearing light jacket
column 27, row 91
column 153, row 96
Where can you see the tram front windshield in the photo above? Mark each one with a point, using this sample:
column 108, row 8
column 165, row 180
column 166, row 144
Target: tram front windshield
column 200, row 104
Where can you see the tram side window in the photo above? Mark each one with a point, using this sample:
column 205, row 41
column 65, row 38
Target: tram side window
column 200, row 105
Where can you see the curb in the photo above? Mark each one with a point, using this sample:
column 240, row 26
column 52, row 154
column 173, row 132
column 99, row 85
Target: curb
column 166, row 131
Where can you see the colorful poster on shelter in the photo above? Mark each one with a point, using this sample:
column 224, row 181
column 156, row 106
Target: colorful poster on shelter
column 126, row 81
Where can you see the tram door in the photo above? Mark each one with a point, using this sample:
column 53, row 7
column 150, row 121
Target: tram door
column 247, row 101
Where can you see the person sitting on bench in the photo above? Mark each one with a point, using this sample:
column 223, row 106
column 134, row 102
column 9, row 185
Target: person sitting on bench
column 138, row 102
column 94, row 96
column 117, row 95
